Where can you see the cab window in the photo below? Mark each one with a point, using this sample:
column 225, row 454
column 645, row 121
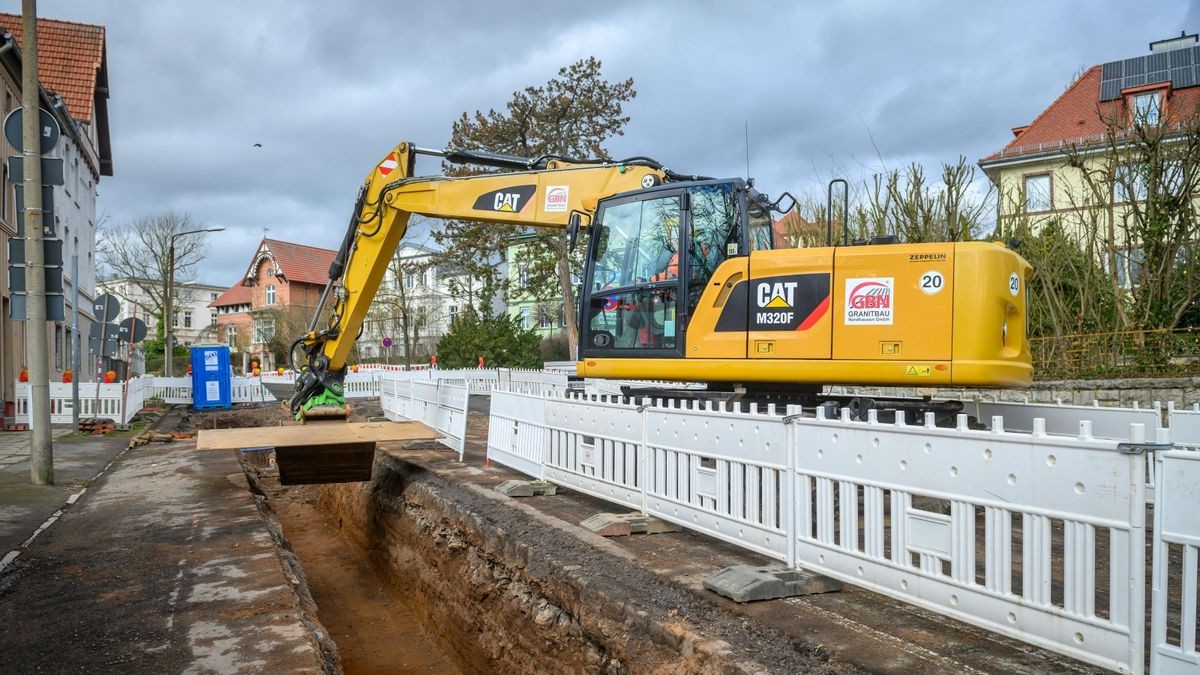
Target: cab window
column 637, row 243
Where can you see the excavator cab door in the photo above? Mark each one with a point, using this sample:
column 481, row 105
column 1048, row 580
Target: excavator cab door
column 651, row 255
column 633, row 287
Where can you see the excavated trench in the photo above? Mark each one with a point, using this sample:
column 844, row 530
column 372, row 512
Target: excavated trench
column 416, row 572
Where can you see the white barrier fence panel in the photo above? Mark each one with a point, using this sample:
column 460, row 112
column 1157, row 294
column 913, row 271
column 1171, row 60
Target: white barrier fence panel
column 517, row 432
column 249, row 390
column 1176, row 541
column 724, row 474
column 922, row 492
column 596, row 446
column 108, row 404
column 1040, row 537
column 1184, row 424
column 1064, row 419
column 439, row 405
column 172, row 389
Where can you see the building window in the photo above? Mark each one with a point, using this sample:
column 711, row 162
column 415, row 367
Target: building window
column 1129, row 263
column 270, row 294
column 187, row 319
column 524, row 276
column 410, row 280
column 543, row 319
column 212, row 318
column 231, row 336
column 264, row 331
column 174, row 319
column 1146, row 107
column 213, row 296
column 1037, row 193
column 1129, row 184
column 562, row 317
column 453, row 312
column 524, row 317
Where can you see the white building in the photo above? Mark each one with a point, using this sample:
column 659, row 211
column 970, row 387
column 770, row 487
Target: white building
column 415, row 289
column 73, row 72
column 194, row 320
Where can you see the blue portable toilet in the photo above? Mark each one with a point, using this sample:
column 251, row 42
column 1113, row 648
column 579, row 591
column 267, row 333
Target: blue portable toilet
column 212, row 378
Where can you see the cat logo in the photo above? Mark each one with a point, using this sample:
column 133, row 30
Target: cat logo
column 778, row 295
column 506, row 200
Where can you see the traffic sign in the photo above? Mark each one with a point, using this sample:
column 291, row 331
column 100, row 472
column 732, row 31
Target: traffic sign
column 52, row 170
column 106, row 307
column 47, row 211
column 132, row 330
column 109, row 333
column 55, row 307
column 387, row 342
column 48, row 130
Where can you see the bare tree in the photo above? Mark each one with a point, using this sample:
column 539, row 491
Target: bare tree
column 138, row 250
column 1118, row 251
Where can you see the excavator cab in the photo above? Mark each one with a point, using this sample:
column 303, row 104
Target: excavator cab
column 652, row 255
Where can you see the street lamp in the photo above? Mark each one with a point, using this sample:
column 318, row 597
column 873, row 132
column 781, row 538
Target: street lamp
column 168, row 310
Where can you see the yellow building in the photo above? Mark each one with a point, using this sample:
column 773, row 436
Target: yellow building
column 1075, row 162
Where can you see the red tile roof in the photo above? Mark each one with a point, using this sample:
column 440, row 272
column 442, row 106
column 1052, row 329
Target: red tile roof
column 236, row 295
column 1078, row 117
column 298, row 262
column 70, row 57
column 790, row 231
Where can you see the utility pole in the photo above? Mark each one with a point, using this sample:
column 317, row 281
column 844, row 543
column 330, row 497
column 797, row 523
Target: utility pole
column 75, row 346
column 168, row 313
column 168, row 304
column 41, row 464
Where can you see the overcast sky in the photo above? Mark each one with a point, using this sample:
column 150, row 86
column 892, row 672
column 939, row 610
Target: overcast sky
column 328, row 88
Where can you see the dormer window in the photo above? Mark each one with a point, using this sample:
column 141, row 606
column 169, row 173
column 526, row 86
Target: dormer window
column 1147, row 107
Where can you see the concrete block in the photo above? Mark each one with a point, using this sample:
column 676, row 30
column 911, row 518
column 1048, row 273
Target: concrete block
column 526, row 488
column 625, row 524
column 747, row 583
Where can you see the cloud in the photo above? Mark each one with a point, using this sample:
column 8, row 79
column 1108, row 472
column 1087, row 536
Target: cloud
column 329, row 88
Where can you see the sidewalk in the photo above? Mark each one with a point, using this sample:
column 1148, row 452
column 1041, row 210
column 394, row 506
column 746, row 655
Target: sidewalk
column 163, row 564
column 24, row 506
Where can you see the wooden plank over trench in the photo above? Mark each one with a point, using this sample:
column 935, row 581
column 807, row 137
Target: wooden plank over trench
column 323, row 433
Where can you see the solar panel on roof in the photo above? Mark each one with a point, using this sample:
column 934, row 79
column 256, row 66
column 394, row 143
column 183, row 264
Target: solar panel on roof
column 1181, row 57
column 1135, row 66
column 1111, row 71
column 1183, row 77
column 1159, row 61
column 1158, row 76
column 1110, row 90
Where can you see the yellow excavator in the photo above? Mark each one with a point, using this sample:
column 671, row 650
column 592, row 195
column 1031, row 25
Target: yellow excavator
column 682, row 283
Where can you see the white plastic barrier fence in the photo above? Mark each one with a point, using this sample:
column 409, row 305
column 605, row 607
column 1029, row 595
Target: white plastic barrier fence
column 517, row 435
column 1040, row 537
column 249, row 390
column 1064, row 419
column 172, row 389
column 441, row 405
column 1184, row 424
column 61, row 402
column 1176, row 542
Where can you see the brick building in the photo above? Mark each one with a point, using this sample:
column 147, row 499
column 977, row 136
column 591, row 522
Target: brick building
column 271, row 305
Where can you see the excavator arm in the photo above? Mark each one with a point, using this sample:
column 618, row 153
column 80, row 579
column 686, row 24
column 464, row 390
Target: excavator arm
column 548, row 192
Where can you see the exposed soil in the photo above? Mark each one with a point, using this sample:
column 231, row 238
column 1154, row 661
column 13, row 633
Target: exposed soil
column 377, row 626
